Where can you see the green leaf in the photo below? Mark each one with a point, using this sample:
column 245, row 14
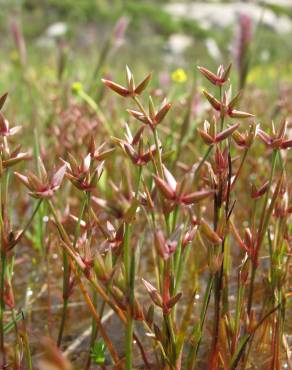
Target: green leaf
column 241, row 346
column 10, row 325
column 97, row 352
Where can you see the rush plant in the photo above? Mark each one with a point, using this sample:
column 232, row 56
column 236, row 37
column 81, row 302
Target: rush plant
column 190, row 253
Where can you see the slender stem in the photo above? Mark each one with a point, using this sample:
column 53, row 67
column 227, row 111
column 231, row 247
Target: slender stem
column 82, row 210
column 66, row 239
column 88, row 99
column 217, row 289
column 27, row 225
column 155, row 134
column 129, row 325
column 217, row 313
column 251, row 288
column 222, row 115
column 27, row 351
column 274, row 157
column 219, row 274
column 130, row 319
column 240, row 167
column 63, row 319
column 94, row 331
column 175, row 216
column 138, row 182
column 129, row 262
column 93, row 283
column 170, row 337
column 17, row 341
column 94, row 313
column 261, row 233
column 2, row 306
column 160, row 168
column 127, row 252
column 3, row 220
column 140, row 105
column 198, row 330
column 238, row 310
column 59, row 225
column 203, row 160
column 66, row 275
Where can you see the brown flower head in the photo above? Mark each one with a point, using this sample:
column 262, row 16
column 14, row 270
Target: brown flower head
column 9, row 159
column 4, row 127
column 175, row 192
column 43, row 186
column 154, row 117
column 83, row 176
column 210, row 136
column 227, row 106
column 219, row 78
column 131, row 89
column 277, row 139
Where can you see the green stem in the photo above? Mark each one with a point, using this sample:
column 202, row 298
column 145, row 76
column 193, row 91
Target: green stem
column 60, row 227
column 3, row 220
column 175, row 216
column 95, row 329
column 203, row 160
column 222, row 115
column 240, row 167
column 88, row 99
column 27, row 351
column 140, row 106
column 251, row 288
column 170, row 339
column 198, row 330
column 66, row 275
column 95, row 285
column 27, row 225
column 160, row 168
column 63, row 319
column 66, row 270
column 130, row 320
column 17, row 346
column 261, row 232
column 156, row 140
column 138, row 182
column 238, row 310
column 129, row 262
column 77, row 229
column 2, row 307
column 274, row 157
column 127, row 252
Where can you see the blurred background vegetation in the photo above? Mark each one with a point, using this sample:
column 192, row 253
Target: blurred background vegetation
column 45, row 42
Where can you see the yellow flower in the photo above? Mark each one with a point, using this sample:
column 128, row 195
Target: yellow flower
column 179, row 75
column 76, row 87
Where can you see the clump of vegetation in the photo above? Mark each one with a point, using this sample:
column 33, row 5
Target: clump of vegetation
column 144, row 225
column 181, row 232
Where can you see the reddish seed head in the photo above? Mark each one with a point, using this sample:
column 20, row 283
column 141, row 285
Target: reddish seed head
column 131, row 90
column 216, row 79
column 42, row 188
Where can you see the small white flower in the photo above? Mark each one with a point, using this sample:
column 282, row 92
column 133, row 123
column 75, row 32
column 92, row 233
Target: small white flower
column 57, row 29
